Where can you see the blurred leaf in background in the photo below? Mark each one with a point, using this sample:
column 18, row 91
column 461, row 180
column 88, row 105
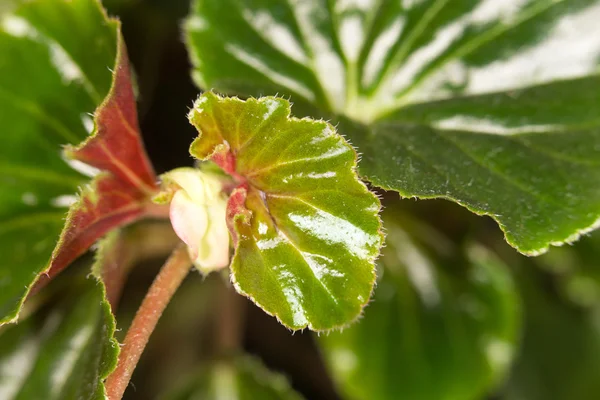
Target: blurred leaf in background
column 63, row 350
column 241, row 377
column 443, row 324
column 560, row 352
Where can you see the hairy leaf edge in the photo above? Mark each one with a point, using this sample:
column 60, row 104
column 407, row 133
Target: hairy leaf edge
column 247, row 216
column 508, row 237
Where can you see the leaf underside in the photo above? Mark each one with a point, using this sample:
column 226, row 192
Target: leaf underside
column 464, row 100
column 306, row 229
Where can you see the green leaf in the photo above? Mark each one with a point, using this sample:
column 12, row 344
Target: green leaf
column 306, row 230
column 244, row 378
column 439, row 327
column 465, row 100
column 63, row 351
column 56, row 69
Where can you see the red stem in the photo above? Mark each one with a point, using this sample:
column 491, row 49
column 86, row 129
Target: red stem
column 160, row 293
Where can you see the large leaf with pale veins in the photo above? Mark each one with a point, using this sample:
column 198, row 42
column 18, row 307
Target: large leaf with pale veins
column 64, row 350
column 306, row 230
column 242, row 378
column 493, row 104
column 442, row 325
column 57, row 58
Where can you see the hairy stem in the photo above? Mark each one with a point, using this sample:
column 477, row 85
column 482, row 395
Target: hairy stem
column 160, row 293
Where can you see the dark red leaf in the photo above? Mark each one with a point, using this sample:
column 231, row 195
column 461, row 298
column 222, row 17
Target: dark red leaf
column 120, row 194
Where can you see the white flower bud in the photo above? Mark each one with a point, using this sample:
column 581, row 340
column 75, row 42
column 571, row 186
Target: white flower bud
column 198, row 212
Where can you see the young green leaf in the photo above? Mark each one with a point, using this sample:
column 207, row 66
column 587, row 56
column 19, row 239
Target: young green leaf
column 306, row 231
column 436, row 329
column 459, row 100
column 56, row 69
column 61, row 352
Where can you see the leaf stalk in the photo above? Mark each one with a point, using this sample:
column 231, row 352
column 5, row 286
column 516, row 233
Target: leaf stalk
column 160, row 293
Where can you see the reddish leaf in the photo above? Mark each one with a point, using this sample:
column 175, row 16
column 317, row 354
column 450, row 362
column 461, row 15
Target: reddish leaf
column 122, row 192
column 116, row 146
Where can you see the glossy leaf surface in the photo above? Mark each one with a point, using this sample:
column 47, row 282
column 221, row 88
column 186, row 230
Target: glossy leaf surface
column 438, row 328
column 306, row 230
column 63, row 351
column 243, row 378
column 55, row 71
column 492, row 104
